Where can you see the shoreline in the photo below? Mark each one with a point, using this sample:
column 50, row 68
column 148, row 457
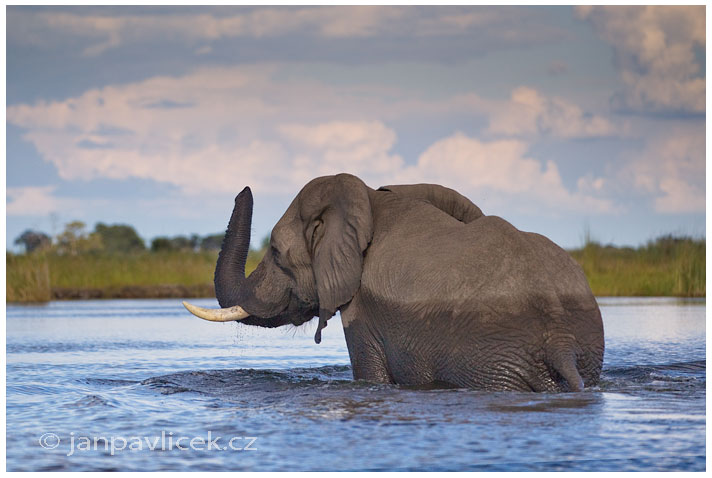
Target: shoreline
column 200, row 291
column 666, row 267
column 162, row 291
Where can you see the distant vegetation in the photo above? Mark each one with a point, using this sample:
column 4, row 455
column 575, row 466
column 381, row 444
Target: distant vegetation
column 113, row 261
column 667, row 266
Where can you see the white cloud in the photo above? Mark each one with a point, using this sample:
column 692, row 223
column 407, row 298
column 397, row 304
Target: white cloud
column 213, row 130
column 37, row 201
column 529, row 113
column 589, row 184
column 338, row 135
column 672, row 170
column 655, row 52
column 361, row 148
column 501, row 168
column 680, row 196
column 182, row 130
column 472, row 166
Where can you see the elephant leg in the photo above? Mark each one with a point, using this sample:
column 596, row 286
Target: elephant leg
column 368, row 360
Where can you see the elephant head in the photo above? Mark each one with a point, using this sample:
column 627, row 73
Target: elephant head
column 313, row 263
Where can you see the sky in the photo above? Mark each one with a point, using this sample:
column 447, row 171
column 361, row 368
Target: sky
column 566, row 121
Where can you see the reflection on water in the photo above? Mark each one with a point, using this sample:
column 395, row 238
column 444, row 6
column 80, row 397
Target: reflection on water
column 145, row 368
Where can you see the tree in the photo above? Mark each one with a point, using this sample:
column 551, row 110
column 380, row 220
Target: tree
column 159, row 244
column 119, row 238
column 212, row 242
column 181, row 243
column 75, row 240
column 33, row 240
column 177, row 243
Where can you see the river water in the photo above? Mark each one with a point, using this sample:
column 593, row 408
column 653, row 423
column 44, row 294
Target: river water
column 141, row 385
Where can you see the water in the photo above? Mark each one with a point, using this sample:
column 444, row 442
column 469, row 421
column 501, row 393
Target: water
column 119, row 382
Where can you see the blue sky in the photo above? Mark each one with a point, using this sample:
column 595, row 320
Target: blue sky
column 558, row 119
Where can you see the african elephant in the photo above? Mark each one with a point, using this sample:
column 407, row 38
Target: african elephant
column 431, row 291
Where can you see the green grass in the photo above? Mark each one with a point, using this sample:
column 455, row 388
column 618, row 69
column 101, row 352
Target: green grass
column 31, row 278
column 667, row 266
column 27, row 278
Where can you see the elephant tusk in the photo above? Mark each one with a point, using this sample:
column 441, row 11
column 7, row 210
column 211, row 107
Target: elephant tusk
column 217, row 315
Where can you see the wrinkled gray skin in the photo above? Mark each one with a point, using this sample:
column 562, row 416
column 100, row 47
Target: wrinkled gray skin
column 431, row 291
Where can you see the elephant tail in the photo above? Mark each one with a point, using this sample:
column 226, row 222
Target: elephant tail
column 561, row 356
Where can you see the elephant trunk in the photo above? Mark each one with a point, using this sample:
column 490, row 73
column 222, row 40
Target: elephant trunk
column 236, row 294
column 230, row 269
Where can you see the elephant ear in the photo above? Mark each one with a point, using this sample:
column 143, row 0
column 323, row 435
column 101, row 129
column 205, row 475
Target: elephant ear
column 447, row 200
column 338, row 241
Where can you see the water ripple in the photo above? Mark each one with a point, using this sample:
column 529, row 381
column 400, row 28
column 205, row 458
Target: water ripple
column 142, row 368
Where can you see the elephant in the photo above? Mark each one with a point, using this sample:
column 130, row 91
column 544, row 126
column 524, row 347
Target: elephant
column 431, row 291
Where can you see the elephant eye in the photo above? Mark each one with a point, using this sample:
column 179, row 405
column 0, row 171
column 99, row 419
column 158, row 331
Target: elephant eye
column 277, row 255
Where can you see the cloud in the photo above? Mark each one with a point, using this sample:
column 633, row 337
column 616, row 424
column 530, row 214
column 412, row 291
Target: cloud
column 671, row 169
column 679, row 197
column 501, row 169
column 472, row 166
column 590, row 184
column 36, row 201
column 181, row 130
column 361, row 148
column 502, row 25
column 529, row 113
column 213, row 130
column 654, row 50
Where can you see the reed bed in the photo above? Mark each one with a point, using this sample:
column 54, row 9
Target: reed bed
column 33, row 277
column 667, row 266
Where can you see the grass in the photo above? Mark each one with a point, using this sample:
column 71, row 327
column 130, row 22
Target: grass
column 668, row 266
column 27, row 278
column 31, row 278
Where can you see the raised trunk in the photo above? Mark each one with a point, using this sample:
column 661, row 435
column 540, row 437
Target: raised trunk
column 265, row 294
column 230, row 269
